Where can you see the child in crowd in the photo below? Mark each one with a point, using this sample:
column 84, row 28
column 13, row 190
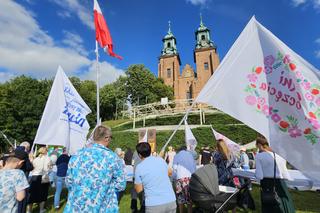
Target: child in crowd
column 13, row 182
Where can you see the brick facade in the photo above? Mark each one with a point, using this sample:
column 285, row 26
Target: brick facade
column 189, row 83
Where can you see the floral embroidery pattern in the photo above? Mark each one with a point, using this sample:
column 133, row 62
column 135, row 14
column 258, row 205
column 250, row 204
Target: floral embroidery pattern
column 311, row 94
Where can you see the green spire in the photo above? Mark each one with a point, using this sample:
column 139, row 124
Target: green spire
column 169, row 42
column 203, row 36
column 201, row 23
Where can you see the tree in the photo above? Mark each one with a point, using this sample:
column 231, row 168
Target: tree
column 87, row 90
column 113, row 97
column 144, row 87
column 22, row 102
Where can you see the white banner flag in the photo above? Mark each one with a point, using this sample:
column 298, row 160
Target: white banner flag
column 233, row 146
column 191, row 141
column 270, row 88
column 145, row 137
column 64, row 122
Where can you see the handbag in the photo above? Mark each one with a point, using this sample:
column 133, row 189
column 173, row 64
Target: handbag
column 269, row 195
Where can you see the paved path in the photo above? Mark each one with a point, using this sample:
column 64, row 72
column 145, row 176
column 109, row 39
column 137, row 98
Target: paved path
column 172, row 127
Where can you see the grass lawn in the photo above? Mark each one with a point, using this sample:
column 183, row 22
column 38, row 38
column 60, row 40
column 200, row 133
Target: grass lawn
column 304, row 201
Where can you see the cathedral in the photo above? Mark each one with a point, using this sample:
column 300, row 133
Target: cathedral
column 188, row 84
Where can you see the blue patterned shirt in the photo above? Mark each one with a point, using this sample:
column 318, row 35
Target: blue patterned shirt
column 11, row 182
column 93, row 177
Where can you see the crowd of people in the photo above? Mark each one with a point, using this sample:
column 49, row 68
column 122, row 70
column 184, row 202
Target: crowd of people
column 95, row 176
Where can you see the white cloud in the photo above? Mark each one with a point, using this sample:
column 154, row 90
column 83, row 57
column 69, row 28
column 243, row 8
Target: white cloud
column 297, row 3
column 64, row 14
column 5, row 76
column 317, row 41
column 197, row 2
column 69, row 7
column 108, row 73
column 26, row 48
column 74, row 41
column 315, row 3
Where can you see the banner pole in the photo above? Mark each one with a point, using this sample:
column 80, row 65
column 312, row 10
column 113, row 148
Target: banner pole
column 177, row 127
column 5, row 137
column 98, row 84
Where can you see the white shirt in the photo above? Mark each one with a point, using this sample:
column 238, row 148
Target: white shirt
column 265, row 166
column 41, row 165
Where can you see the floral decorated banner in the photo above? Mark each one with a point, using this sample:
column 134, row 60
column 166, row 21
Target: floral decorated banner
column 64, row 122
column 270, row 88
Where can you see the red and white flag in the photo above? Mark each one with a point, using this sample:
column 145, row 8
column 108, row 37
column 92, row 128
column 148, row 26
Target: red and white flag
column 102, row 31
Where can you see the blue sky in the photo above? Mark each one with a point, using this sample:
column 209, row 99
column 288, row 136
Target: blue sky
column 38, row 35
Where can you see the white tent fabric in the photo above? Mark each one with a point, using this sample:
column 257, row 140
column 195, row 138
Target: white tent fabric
column 233, row 146
column 191, row 141
column 270, row 88
column 64, row 122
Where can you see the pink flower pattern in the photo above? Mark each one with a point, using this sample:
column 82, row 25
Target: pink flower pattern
column 266, row 110
column 269, row 60
column 309, row 97
column 306, row 85
column 261, row 101
column 293, row 128
column 251, row 100
column 318, row 102
column 286, row 59
column 299, row 75
column 276, row 118
column 315, row 124
column 252, row 77
column 295, row 132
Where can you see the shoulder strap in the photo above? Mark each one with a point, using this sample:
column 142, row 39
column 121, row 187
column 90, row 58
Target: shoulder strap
column 274, row 170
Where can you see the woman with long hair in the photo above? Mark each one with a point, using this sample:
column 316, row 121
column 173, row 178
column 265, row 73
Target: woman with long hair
column 40, row 182
column 224, row 162
column 268, row 166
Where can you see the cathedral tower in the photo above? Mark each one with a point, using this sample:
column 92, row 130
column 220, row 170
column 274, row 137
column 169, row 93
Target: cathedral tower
column 205, row 56
column 169, row 61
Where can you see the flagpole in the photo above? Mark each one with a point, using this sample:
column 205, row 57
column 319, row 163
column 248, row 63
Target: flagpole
column 98, row 84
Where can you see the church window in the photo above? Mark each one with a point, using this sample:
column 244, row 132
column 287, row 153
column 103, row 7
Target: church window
column 206, row 66
column 169, row 73
column 168, row 44
column 203, row 37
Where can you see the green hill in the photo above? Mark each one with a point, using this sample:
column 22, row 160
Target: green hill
column 222, row 123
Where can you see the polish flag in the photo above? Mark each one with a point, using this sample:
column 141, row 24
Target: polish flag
column 102, row 31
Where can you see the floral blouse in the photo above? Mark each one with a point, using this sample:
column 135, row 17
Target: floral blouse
column 93, row 177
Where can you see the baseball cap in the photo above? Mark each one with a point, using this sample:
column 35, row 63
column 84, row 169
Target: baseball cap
column 20, row 154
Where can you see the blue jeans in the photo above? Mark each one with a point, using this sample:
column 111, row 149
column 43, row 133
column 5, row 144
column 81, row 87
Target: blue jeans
column 60, row 184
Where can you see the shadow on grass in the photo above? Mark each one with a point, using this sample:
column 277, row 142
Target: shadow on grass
column 304, row 201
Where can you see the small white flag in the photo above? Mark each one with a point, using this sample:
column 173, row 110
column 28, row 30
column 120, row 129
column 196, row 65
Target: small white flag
column 233, row 146
column 191, row 141
column 145, row 138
